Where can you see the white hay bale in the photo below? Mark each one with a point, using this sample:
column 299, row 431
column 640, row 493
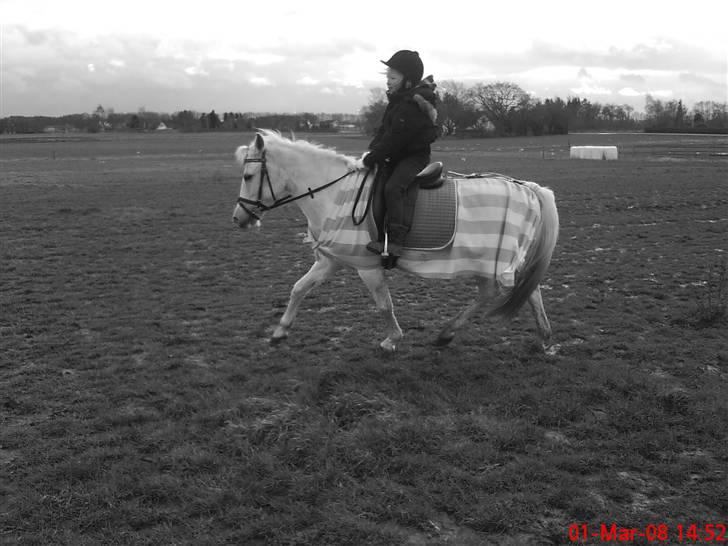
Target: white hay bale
column 593, row 152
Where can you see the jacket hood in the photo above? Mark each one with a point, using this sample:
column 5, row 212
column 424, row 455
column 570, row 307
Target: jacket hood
column 426, row 98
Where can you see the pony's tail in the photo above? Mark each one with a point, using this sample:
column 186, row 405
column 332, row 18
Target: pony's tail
column 537, row 259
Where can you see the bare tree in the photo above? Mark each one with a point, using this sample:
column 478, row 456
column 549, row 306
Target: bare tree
column 498, row 101
column 372, row 113
column 455, row 89
column 457, row 110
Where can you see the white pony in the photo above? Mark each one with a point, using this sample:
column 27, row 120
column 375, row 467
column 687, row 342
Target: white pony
column 504, row 231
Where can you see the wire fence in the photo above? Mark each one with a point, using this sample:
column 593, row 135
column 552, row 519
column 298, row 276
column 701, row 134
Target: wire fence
column 629, row 148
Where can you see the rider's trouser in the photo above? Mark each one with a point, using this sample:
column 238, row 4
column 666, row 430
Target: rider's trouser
column 400, row 195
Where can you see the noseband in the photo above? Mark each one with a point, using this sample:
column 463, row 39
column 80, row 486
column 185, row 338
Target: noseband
column 260, row 207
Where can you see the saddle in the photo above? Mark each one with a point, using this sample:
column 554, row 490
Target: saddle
column 433, row 224
column 430, row 177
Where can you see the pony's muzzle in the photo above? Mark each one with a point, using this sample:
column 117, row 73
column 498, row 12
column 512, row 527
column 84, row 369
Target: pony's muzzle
column 245, row 220
column 241, row 218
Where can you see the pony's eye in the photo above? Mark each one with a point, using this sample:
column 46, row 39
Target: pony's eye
column 247, row 177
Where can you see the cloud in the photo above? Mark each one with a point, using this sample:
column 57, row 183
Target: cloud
column 307, row 80
column 257, row 59
column 666, row 54
column 196, row 71
column 664, row 93
column 633, row 79
column 323, row 47
column 260, row 81
column 34, row 38
column 629, row 92
column 592, row 83
column 690, row 77
column 224, row 61
column 588, row 89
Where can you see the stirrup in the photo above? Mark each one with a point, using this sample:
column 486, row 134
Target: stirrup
column 389, row 259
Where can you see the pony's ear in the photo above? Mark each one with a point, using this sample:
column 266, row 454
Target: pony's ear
column 259, row 144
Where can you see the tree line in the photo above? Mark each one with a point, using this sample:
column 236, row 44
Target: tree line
column 673, row 116
column 505, row 109
column 106, row 119
column 493, row 109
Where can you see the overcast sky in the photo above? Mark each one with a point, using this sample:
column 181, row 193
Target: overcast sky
column 60, row 57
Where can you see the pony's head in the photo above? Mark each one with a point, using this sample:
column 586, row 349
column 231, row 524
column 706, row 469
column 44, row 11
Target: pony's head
column 263, row 185
column 273, row 166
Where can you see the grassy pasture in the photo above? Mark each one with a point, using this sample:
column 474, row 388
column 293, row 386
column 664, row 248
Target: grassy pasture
column 140, row 402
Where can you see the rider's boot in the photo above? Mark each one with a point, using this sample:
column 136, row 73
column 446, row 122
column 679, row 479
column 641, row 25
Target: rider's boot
column 395, row 243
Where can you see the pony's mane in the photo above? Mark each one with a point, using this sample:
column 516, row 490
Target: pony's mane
column 276, row 139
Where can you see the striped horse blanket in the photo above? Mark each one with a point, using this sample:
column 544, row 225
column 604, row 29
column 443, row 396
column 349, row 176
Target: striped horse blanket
column 497, row 219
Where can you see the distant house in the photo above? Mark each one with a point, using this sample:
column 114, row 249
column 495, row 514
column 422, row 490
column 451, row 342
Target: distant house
column 60, row 129
column 348, row 128
column 328, row 125
column 162, row 126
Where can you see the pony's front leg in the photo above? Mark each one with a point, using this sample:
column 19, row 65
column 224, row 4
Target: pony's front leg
column 322, row 269
column 377, row 285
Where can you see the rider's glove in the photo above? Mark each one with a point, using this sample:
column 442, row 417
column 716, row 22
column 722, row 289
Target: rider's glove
column 359, row 163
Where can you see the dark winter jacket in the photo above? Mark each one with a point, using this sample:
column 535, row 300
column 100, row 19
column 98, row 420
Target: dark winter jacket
column 408, row 125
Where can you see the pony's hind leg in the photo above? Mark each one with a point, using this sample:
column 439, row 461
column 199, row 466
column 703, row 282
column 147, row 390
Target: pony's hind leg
column 322, row 269
column 377, row 285
column 539, row 313
column 486, row 290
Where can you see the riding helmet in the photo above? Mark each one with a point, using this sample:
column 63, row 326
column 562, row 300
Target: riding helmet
column 408, row 63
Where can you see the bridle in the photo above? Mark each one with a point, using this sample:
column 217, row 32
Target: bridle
column 260, row 207
column 258, row 203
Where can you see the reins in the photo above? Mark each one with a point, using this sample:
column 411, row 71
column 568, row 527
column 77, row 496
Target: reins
column 358, row 196
column 265, row 177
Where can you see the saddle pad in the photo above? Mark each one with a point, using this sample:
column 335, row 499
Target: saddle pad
column 435, row 217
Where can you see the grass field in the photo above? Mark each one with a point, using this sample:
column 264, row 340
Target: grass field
column 142, row 404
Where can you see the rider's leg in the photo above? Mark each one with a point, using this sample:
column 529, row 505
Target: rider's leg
column 400, row 195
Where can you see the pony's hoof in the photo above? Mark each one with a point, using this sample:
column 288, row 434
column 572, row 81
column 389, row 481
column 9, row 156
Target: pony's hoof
column 277, row 339
column 388, row 346
column 280, row 333
column 441, row 341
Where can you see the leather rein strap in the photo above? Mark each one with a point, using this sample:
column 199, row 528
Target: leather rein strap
column 259, row 206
